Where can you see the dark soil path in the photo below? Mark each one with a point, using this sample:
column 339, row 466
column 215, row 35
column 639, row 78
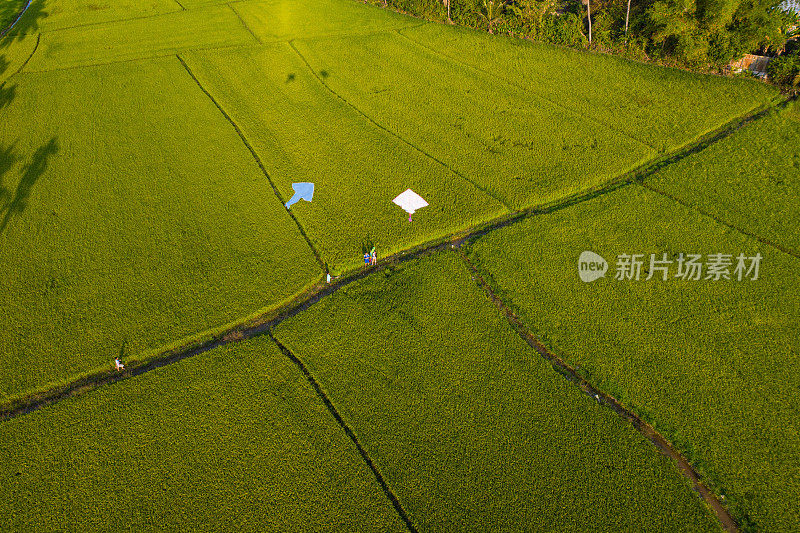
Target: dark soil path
column 560, row 366
column 25, row 404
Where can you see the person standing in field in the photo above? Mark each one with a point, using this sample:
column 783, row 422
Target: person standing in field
column 373, row 257
column 118, row 365
column 366, row 258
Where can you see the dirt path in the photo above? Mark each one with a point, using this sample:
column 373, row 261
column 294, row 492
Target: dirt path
column 24, row 404
column 570, row 374
column 263, row 323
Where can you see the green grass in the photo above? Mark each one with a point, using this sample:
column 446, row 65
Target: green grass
column 750, row 180
column 132, row 217
column 13, row 54
column 233, row 439
column 304, row 133
column 469, row 426
column 714, row 365
column 273, row 20
column 60, row 14
column 523, row 149
column 662, row 107
column 193, row 4
column 118, row 231
column 213, row 26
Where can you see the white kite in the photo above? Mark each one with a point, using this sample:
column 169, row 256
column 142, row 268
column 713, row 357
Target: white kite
column 410, row 202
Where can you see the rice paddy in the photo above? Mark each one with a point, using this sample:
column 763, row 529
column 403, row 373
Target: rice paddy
column 147, row 151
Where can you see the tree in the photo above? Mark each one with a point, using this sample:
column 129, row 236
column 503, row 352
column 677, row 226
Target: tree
column 492, row 10
column 532, row 12
column 589, row 16
column 785, row 71
column 627, row 18
column 672, row 25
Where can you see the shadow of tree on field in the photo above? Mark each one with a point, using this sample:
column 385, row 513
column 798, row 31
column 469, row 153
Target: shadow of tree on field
column 7, row 160
column 9, row 10
column 7, row 94
column 12, row 203
column 18, row 201
column 28, row 23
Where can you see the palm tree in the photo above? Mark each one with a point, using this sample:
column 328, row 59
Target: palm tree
column 491, row 12
column 532, row 12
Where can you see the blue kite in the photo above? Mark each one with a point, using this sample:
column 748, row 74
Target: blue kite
column 302, row 191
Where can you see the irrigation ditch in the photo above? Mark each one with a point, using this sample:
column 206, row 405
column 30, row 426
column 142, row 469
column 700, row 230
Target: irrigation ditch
column 263, row 324
column 571, row 374
column 349, row 432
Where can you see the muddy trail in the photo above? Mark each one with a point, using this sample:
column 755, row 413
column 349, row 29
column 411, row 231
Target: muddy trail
column 262, row 324
column 568, row 372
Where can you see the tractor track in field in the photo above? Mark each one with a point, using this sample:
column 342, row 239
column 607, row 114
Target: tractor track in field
column 569, row 373
column 349, row 432
column 264, row 323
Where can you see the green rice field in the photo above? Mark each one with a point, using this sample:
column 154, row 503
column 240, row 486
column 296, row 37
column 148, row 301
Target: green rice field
column 470, row 426
column 750, row 180
column 711, row 363
column 291, row 119
column 111, row 247
column 660, row 107
column 208, row 443
column 148, row 149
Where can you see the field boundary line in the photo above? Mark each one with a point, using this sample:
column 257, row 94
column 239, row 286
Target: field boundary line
column 570, row 374
column 260, row 164
column 348, row 431
column 25, row 63
column 720, row 221
column 261, row 321
column 239, row 16
column 112, row 21
column 397, row 136
column 160, row 54
column 525, row 89
column 182, row 8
